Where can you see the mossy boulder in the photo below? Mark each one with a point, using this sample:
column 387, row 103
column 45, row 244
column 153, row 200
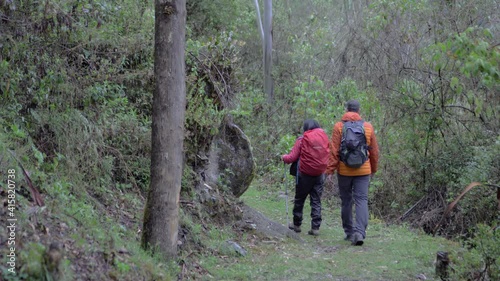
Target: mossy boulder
column 231, row 162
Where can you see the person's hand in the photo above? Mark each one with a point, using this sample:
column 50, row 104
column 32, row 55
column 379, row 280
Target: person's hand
column 277, row 156
column 372, row 175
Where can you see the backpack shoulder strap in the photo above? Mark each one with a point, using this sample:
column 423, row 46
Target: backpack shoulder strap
column 343, row 126
column 362, row 124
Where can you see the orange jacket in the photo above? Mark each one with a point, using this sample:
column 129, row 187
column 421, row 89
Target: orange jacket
column 334, row 163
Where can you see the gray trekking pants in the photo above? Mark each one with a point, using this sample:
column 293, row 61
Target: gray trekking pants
column 354, row 190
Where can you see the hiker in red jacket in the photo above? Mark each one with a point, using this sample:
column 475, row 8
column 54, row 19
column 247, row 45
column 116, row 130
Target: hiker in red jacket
column 353, row 180
column 312, row 148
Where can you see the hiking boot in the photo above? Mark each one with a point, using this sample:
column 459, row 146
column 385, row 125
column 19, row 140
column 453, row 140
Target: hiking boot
column 348, row 237
column 313, row 232
column 294, row 227
column 357, row 239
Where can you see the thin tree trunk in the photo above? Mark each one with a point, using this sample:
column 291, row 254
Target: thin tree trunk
column 346, row 11
column 161, row 215
column 268, row 38
column 259, row 22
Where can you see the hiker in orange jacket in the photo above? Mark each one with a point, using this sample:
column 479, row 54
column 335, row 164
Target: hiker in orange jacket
column 313, row 149
column 353, row 182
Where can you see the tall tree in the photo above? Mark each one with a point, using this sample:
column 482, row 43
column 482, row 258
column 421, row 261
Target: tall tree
column 268, row 49
column 259, row 23
column 161, row 215
column 266, row 34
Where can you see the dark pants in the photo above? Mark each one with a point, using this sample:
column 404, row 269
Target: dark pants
column 312, row 186
column 354, row 190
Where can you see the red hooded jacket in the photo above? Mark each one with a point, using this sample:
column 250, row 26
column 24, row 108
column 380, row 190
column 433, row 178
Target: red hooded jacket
column 313, row 157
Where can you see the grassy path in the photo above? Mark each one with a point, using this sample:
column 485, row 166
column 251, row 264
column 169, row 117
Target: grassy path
column 389, row 252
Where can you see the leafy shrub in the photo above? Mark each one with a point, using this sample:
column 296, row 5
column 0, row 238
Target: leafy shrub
column 481, row 258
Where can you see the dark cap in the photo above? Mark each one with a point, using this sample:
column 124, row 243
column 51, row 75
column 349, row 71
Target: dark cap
column 352, row 105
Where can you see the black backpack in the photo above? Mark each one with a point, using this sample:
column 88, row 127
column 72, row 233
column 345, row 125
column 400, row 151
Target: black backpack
column 353, row 149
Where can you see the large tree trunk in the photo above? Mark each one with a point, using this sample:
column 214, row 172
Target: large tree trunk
column 161, row 215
